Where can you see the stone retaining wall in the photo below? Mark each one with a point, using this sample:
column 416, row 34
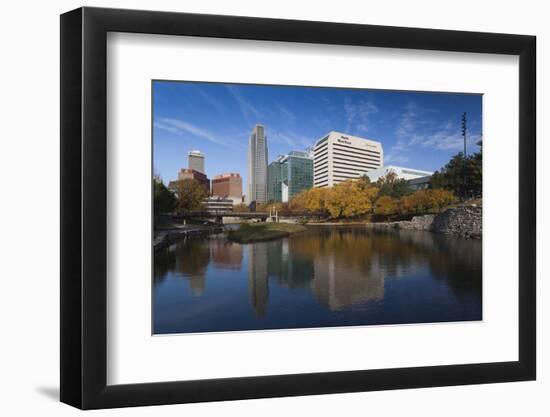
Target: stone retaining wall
column 464, row 221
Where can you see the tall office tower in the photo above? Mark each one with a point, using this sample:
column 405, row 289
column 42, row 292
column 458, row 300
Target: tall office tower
column 196, row 161
column 257, row 166
column 339, row 157
column 289, row 175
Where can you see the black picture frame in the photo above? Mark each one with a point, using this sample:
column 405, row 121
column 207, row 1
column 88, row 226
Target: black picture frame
column 84, row 207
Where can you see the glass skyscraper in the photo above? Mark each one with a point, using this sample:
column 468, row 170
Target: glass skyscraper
column 257, row 166
column 276, row 175
column 289, row 175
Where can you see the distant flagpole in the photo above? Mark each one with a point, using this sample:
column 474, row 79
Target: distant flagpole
column 464, row 131
column 464, row 128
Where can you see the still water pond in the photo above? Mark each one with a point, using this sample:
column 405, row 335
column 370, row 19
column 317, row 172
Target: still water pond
column 326, row 276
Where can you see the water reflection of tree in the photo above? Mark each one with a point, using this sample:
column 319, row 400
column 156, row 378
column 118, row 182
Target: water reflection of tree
column 344, row 271
column 456, row 260
column 351, row 264
column 163, row 262
column 460, row 264
column 187, row 259
column 342, row 266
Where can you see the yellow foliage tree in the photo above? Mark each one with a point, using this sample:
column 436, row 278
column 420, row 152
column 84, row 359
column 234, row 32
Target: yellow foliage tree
column 441, row 197
column 299, row 201
column 241, row 208
column 355, row 198
column 350, row 199
column 426, row 200
column 316, row 200
column 386, row 206
column 338, row 199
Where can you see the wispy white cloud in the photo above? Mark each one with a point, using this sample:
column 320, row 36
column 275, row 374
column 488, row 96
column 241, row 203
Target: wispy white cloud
column 214, row 102
column 287, row 113
column 416, row 129
column 448, row 138
column 394, row 158
column 406, row 132
column 180, row 127
column 358, row 114
column 294, row 141
column 247, row 107
column 329, row 105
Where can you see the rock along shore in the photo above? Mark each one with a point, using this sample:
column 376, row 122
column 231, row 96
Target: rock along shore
column 463, row 221
column 165, row 238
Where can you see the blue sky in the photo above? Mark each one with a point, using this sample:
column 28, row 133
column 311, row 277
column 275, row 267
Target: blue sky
column 417, row 130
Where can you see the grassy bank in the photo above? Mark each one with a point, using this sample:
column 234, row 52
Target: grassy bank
column 259, row 232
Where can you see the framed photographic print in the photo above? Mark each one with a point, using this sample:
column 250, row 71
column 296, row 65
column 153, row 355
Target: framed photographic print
column 257, row 207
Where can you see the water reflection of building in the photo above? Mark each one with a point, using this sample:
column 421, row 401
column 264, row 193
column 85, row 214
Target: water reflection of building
column 338, row 284
column 191, row 263
column 275, row 260
column 290, row 270
column 197, row 284
column 226, row 255
column 258, row 286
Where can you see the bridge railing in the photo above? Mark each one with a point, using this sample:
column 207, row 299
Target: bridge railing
column 224, row 214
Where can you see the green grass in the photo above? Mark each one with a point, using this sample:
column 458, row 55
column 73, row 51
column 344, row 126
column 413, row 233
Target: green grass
column 259, row 232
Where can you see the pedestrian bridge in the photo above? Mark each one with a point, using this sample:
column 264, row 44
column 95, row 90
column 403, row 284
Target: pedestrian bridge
column 272, row 216
column 222, row 213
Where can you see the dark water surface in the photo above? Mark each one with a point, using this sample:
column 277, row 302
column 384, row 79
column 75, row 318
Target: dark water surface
column 326, row 276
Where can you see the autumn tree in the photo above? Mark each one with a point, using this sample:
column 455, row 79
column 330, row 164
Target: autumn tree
column 355, row 198
column 423, row 201
column 262, row 207
column 190, row 195
column 312, row 201
column 440, row 198
column 385, row 206
column 350, row 199
column 316, row 200
column 241, row 208
column 299, row 201
column 338, row 199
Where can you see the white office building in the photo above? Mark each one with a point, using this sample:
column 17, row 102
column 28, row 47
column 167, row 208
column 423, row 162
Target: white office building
column 400, row 172
column 338, row 157
column 257, row 166
column 196, row 161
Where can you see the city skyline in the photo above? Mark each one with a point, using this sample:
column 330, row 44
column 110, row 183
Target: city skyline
column 417, row 130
